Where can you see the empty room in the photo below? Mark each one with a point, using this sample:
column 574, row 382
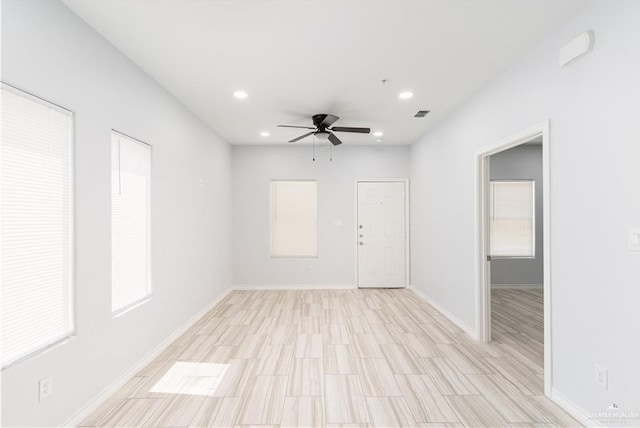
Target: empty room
column 310, row 213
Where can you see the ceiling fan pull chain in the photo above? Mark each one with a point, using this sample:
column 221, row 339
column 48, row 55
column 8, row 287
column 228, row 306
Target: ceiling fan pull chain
column 313, row 144
column 330, row 152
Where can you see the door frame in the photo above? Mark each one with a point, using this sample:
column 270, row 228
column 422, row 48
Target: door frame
column 483, row 286
column 407, row 247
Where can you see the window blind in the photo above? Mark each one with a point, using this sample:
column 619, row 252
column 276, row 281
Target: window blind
column 36, row 224
column 512, row 230
column 294, row 231
column 130, row 227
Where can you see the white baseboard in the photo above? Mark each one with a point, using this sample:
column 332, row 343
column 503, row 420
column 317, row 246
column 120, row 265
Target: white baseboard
column 296, row 287
column 471, row 332
column 519, row 286
column 576, row 412
column 98, row 400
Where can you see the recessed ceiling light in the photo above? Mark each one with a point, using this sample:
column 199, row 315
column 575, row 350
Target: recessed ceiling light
column 378, row 134
column 405, row 95
column 240, row 94
column 264, row 134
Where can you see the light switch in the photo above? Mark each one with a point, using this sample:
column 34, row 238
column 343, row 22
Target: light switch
column 634, row 238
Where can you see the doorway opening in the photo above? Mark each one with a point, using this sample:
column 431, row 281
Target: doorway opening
column 514, row 248
column 382, row 233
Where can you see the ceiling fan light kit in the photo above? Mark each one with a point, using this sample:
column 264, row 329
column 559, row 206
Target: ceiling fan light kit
column 323, row 131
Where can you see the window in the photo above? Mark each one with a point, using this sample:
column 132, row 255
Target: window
column 294, row 230
column 36, row 224
column 130, row 227
column 512, row 219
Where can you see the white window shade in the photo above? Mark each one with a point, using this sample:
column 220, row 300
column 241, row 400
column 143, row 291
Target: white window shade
column 130, row 226
column 512, row 227
column 35, row 225
column 294, row 230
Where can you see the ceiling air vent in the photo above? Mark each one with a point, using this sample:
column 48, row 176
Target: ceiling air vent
column 421, row 113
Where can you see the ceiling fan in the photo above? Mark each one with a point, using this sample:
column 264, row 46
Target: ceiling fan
column 322, row 131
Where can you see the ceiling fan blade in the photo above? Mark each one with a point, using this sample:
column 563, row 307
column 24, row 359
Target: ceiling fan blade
column 334, row 140
column 328, row 120
column 295, row 126
column 301, row 137
column 351, row 129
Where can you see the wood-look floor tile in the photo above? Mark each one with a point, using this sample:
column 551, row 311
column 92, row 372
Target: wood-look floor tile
column 242, row 317
column 401, row 359
column 275, row 360
column 198, row 348
column 353, row 357
column 376, row 378
column 440, row 425
column 436, row 333
column 217, row 412
column 384, row 336
column 307, row 378
column 552, row 412
column 308, row 346
column 265, row 401
column 531, row 425
column 462, row 361
column 448, row 379
column 309, row 325
column 518, row 374
column 373, row 317
column 338, row 359
column 514, row 351
column 133, row 412
column 303, row 412
column 475, row 411
column 176, row 411
column 237, row 380
column 358, row 325
column 283, row 335
column 424, row 399
column 389, row 412
column 513, row 406
column 251, row 347
column 111, row 404
column 219, row 355
column 366, row 346
column 348, row 425
column 421, row 345
column 233, row 335
column 344, row 400
column 210, row 325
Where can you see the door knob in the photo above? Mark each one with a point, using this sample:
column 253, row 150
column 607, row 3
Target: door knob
column 361, row 226
column 361, row 235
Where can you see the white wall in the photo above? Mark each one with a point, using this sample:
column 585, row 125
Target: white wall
column 253, row 169
column 50, row 52
column 595, row 152
column 520, row 163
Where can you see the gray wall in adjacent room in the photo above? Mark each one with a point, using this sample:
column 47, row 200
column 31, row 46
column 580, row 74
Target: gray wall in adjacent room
column 520, row 163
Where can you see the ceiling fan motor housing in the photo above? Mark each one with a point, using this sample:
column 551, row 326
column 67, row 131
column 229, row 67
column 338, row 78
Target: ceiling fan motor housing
column 318, row 119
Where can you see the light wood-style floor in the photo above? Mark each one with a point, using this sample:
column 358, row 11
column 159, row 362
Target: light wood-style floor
column 342, row 357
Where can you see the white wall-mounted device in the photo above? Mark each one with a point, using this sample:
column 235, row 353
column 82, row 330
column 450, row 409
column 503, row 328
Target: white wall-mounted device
column 575, row 48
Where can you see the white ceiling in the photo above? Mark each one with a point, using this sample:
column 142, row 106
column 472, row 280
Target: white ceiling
column 296, row 58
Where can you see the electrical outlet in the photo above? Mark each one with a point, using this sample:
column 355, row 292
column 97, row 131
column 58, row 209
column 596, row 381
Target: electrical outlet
column 45, row 388
column 600, row 376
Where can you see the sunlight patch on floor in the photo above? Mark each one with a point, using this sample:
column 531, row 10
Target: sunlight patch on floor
column 191, row 378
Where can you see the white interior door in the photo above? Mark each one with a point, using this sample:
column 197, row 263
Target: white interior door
column 381, row 234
